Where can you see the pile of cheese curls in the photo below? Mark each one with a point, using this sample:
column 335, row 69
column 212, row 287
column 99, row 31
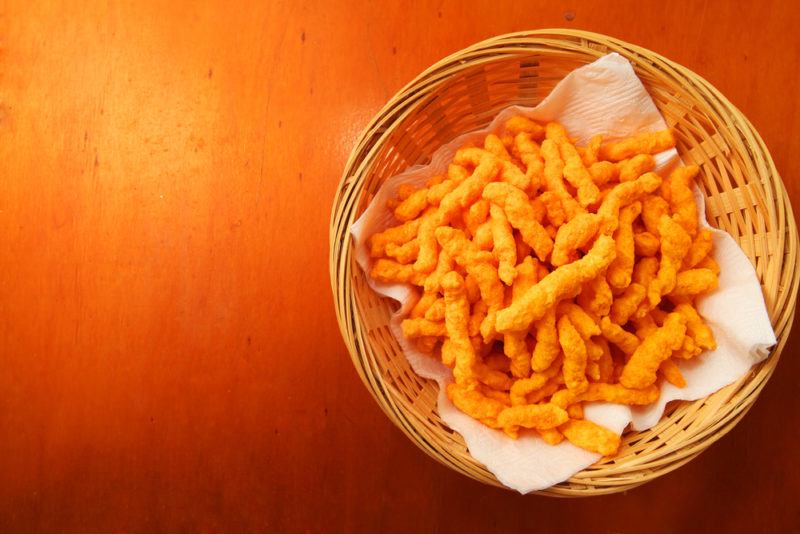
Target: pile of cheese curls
column 551, row 274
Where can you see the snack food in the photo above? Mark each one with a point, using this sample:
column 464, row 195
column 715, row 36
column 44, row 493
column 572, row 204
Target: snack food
column 552, row 275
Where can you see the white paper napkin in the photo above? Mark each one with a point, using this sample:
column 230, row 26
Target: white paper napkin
column 603, row 97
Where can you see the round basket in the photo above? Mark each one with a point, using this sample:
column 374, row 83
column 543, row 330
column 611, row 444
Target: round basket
column 463, row 92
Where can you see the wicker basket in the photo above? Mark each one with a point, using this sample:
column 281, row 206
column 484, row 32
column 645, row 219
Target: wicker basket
column 463, row 92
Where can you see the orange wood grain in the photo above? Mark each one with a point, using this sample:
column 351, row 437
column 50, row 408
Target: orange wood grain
column 169, row 356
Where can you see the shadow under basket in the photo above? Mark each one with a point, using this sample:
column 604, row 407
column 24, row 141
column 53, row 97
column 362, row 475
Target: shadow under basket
column 463, row 92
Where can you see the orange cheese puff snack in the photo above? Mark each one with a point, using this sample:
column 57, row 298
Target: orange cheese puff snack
column 426, row 343
column 413, row 328
column 518, row 124
column 603, row 172
column 388, row 271
column 582, row 321
column 575, row 411
column 631, row 169
column 404, row 191
column 397, row 235
column 411, row 207
column 434, row 180
column 701, row 247
column 596, row 297
column 547, row 346
column 509, row 172
column 554, row 181
column 514, row 344
column 592, row 150
column 640, row 371
column 623, row 194
column 477, row 265
column 619, row 394
column 500, row 396
column 577, row 175
column 436, row 311
column 599, row 391
column 553, row 385
column 492, row 293
column 591, row 436
column 606, row 361
column 566, row 280
column 437, row 191
column 645, row 325
column 427, row 255
column 539, row 210
column 688, row 348
column 672, row 373
column 462, row 196
column 645, row 143
column 688, row 351
column 444, row 264
column 405, row 253
column 505, row 248
column 645, row 244
column 675, row 243
column 479, row 312
column 551, row 436
column 521, row 215
column 555, row 131
column 572, row 236
column 594, row 350
column 456, row 319
column 659, row 316
column 644, row 272
column 541, row 270
column 425, row 301
column 627, row 342
column 472, row 288
column 523, row 249
column 516, row 349
column 626, row 304
column 539, row 416
column 476, row 215
column 494, row 145
column 574, row 355
column 694, row 282
column 457, row 173
column 592, row 370
column 512, row 175
column 472, row 402
column 620, row 271
column 708, row 263
column 553, row 208
column 522, row 388
column 527, row 276
column 681, row 198
column 528, row 153
column 653, row 207
column 465, row 252
column 484, row 239
column 492, row 379
column 470, row 189
column 497, row 362
column 697, row 328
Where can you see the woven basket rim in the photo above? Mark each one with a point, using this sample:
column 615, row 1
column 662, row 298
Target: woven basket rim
column 433, row 76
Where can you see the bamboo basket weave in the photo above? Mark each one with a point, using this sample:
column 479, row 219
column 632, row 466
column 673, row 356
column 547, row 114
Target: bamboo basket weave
column 463, row 92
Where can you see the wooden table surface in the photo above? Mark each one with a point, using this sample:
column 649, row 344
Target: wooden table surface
column 169, row 355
